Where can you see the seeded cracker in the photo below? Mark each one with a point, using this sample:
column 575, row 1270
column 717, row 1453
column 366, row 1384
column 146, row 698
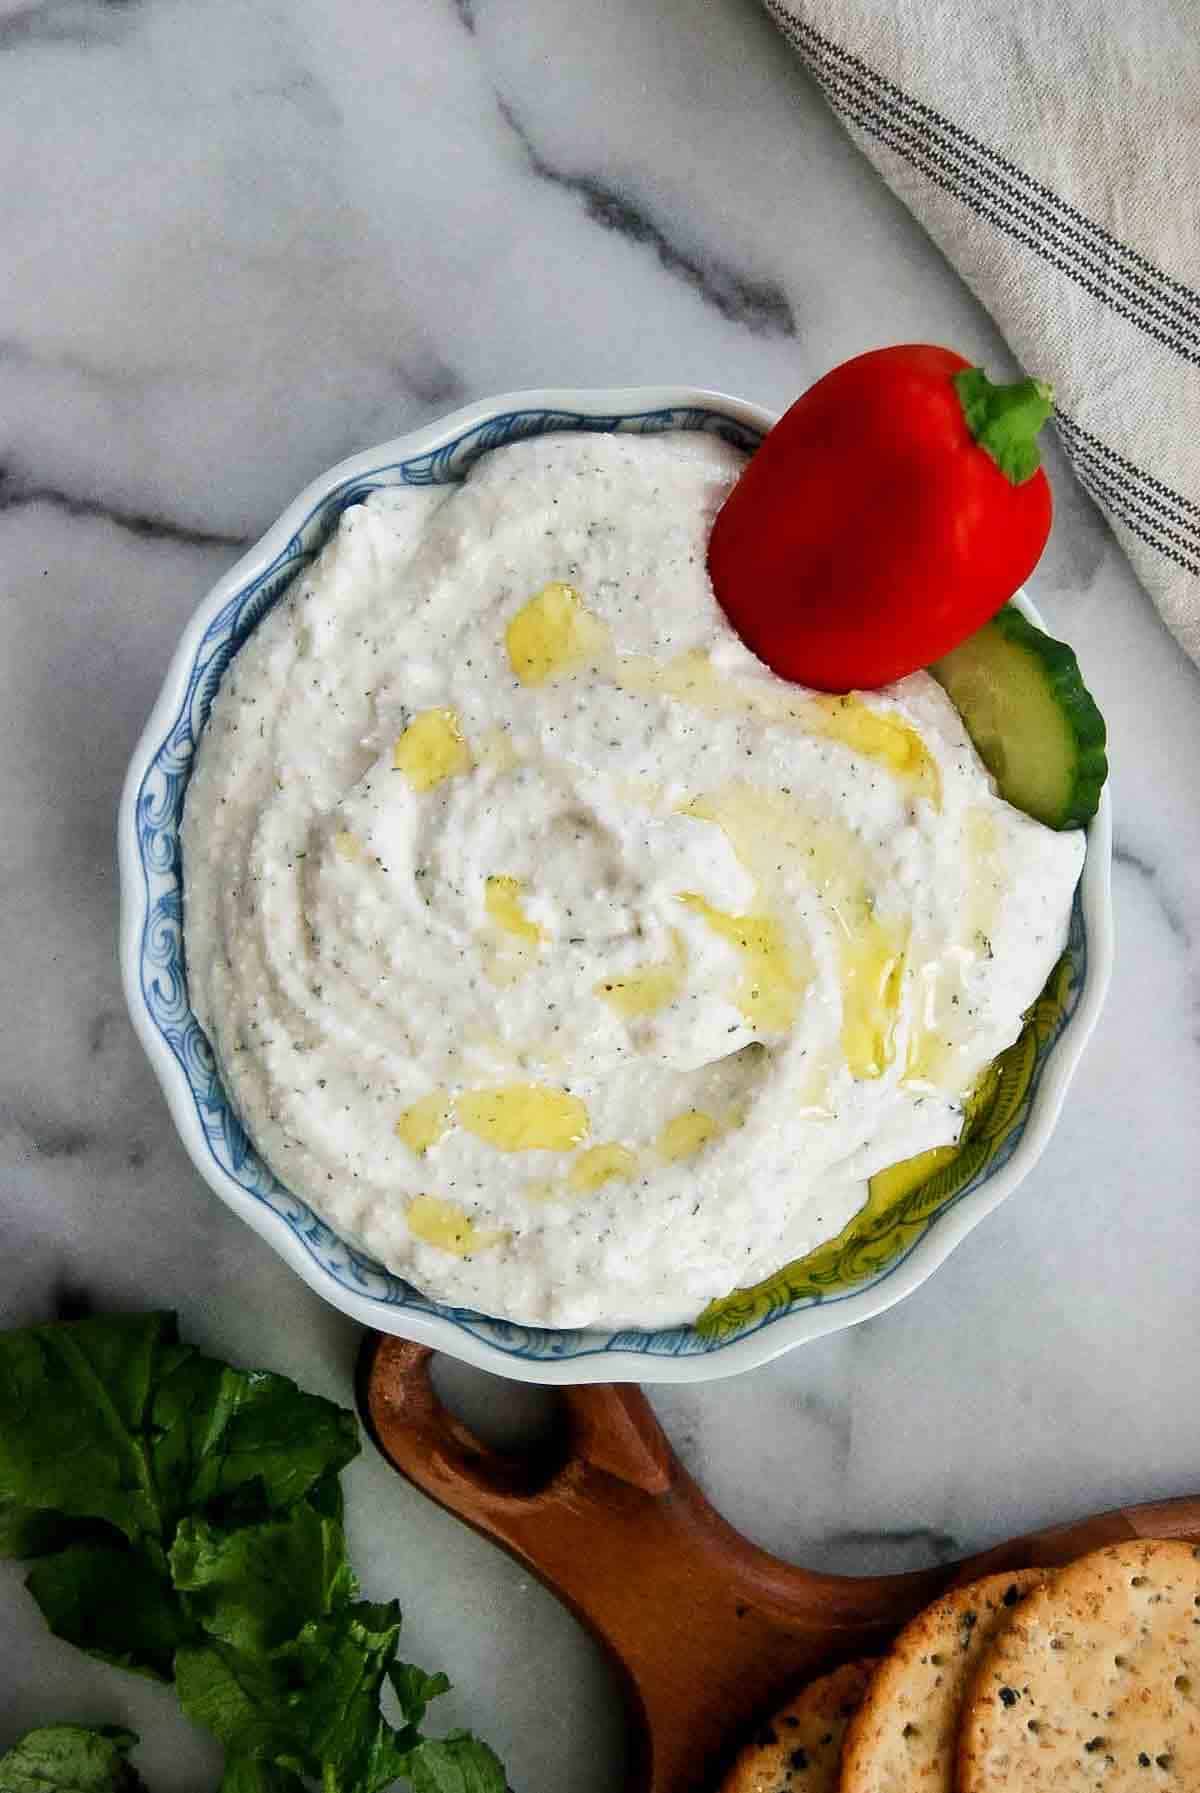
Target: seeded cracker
column 905, row 1733
column 799, row 1750
column 1096, row 1683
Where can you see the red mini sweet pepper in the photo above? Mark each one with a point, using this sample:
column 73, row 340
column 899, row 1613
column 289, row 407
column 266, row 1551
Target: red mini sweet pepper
column 890, row 512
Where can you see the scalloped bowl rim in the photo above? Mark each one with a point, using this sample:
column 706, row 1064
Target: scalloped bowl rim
column 595, row 1359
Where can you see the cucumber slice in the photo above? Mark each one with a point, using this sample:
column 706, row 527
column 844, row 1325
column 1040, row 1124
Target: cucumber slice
column 1033, row 720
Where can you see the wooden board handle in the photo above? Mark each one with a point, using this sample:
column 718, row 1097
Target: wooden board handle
column 707, row 1631
column 704, row 1628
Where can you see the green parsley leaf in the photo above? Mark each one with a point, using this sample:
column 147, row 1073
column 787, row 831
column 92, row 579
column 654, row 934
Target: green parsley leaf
column 243, row 1438
column 458, row 1763
column 311, row 1705
column 74, row 1406
column 111, row 1429
column 112, row 1419
column 71, row 1759
column 243, row 1700
column 414, row 1689
column 245, row 1775
column 114, row 1603
column 186, row 1518
column 255, row 1587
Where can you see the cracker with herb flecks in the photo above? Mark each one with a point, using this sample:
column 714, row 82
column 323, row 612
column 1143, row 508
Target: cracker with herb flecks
column 904, row 1734
column 1095, row 1683
column 798, row 1750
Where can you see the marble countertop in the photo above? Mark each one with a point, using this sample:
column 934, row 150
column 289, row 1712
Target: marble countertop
column 241, row 241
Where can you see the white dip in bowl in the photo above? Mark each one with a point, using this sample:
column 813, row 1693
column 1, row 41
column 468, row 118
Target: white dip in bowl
column 550, row 946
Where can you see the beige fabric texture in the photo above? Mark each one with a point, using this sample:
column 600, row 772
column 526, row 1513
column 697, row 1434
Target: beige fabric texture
column 1051, row 148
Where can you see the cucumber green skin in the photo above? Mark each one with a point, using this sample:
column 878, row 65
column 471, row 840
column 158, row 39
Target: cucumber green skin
column 1007, row 640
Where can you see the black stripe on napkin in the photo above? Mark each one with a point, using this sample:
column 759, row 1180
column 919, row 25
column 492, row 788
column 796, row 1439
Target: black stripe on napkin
column 1004, row 195
column 1101, row 478
column 973, row 174
column 1184, row 511
column 968, row 169
column 1118, row 500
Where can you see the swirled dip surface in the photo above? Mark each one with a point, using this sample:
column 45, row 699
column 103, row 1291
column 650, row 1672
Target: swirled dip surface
column 557, row 952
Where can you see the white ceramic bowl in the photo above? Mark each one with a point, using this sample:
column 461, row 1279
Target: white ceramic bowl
column 884, row 1264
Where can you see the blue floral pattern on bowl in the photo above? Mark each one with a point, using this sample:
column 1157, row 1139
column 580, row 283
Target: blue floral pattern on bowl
column 161, row 970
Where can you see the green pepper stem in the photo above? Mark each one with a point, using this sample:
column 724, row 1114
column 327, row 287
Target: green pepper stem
column 1005, row 420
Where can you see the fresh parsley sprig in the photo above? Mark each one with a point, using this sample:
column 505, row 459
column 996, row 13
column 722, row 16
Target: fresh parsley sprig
column 71, row 1759
column 185, row 1519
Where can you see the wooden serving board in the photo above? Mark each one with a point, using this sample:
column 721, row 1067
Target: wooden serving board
column 709, row 1633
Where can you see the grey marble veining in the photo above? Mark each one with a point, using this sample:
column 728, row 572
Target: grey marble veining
column 241, row 242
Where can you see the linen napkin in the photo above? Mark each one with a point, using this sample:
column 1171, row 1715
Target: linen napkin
column 1051, row 148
